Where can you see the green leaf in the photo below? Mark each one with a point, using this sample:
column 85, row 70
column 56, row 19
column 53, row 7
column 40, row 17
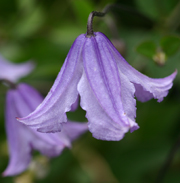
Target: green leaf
column 170, row 44
column 147, row 48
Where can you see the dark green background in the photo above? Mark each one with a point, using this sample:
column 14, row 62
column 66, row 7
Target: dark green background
column 44, row 30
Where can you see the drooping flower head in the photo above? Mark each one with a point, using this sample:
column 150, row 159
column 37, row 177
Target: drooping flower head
column 106, row 83
column 22, row 139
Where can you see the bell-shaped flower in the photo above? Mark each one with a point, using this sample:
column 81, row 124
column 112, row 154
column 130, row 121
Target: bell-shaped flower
column 13, row 72
column 107, row 85
column 22, row 140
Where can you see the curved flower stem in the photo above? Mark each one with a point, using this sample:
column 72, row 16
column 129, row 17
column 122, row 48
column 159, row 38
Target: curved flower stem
column 90, row 22
column 98, row 14
column 8, row 83
column 108, row 8
column 168, row 161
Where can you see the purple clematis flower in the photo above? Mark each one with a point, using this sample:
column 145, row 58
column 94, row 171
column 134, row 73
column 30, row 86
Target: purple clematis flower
column 13, row 72
column 107, row 85
column 22, row 140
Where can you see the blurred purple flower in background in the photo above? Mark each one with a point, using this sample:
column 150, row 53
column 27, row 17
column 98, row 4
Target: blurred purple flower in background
column 107, row 85
column 21, row 100
column 14, row 72
column 22, row 139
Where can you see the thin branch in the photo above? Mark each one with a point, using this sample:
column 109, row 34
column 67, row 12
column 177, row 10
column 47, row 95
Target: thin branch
column 108, row 8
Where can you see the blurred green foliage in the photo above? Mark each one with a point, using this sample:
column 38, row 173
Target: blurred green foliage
column 170, row 44
column 147, row 48
column 44, row 31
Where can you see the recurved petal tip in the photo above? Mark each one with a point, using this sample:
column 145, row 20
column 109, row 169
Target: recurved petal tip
column 148, row 88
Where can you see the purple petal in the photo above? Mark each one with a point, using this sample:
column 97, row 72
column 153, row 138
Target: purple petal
column 129, row 103
column 19, row 151
column 100, row 124
column 14, row 72
column 110, row 89
column 146, row 88
column 103, row 77
column 51, row 112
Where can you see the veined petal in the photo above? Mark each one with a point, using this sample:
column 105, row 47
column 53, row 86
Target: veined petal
column 103, row 77
column 146, row 88
column 14, row 72
column 100, row 124
column 126, row 88
column 49, row 115
column 112, row 93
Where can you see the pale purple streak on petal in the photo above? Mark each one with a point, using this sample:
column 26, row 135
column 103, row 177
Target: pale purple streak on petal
column 51, row 112
column 103, row 77
column 14, row 72
column 100, row 124
column 146, row 88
